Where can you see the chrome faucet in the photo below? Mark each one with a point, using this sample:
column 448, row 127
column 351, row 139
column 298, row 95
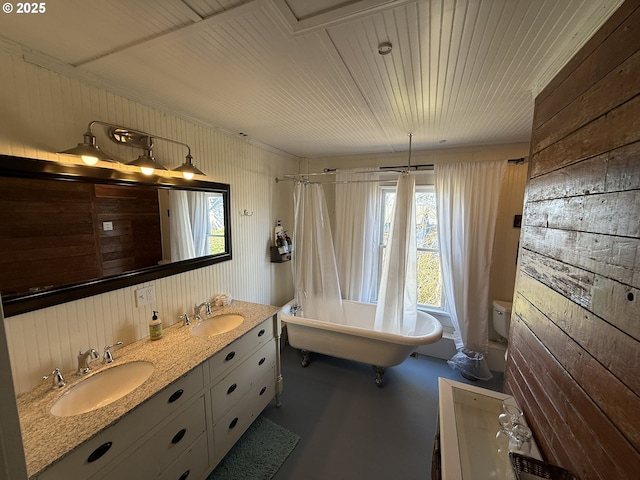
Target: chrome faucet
column 294, row 308
column 84, row 358
column 56, row 376
column 107, row 356
column 198, row 308
column 186, row 321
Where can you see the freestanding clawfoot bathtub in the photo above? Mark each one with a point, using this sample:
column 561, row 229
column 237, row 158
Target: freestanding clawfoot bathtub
column 357, row 340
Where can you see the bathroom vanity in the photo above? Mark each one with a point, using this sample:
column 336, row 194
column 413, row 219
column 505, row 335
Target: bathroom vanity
column 203, row 394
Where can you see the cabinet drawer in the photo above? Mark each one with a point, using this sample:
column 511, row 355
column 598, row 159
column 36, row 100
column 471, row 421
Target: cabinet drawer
column 192, row 464
column 231, row 427
column 173, row 397
column 164, row 446
column 237, row 383
column 231, row 355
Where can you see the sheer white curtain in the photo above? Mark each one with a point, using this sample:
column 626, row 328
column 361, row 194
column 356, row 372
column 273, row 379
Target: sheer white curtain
column 467, row 200
column 397, row 307
column 317, row 288
column 182, row 247
column 357, row 235
column 188, row 224
column 198, row 213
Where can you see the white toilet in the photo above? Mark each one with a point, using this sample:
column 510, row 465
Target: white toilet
column 502, row 318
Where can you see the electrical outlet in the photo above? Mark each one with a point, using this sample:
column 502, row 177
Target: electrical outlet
column 150, row 292
column 107, row 226
column 145, row 296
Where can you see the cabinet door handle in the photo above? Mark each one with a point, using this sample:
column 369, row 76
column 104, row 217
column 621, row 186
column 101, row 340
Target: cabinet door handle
column 264, row 389
column 261, row 361
column 231, row 389
column 178, row 436
column 233, row 423
column 184, row 475
column 261, row 332
column 99, row 452
column 176, row 395
column 229, row 356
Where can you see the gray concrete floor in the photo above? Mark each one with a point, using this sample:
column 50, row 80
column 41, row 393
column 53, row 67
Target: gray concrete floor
column 351, row 429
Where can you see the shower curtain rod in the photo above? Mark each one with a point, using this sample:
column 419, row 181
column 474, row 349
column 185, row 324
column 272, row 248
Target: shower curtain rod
column 382, row 169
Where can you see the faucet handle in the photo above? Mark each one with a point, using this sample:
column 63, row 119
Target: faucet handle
column 58, row 380
column 185, row 319
column 107, row 357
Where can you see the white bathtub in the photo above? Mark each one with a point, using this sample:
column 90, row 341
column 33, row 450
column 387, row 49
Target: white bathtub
column 356, row 340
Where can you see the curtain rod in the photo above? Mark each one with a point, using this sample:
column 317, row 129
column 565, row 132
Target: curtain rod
column 382, row 169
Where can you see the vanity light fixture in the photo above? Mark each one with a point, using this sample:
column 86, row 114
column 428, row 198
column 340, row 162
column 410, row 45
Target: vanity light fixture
column 147, row 162
column 187, row 169
column 89, row 149
column 129, row 137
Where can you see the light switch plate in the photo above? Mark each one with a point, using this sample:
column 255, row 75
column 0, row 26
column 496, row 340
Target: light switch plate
column 145, row 296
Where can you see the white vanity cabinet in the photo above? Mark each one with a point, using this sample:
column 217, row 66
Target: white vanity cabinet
column 163, row 445
column 184, row 431
column 104, row 451
column 244, row 380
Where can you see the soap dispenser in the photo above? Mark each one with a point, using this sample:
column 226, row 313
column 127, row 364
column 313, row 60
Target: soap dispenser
column 155, row 327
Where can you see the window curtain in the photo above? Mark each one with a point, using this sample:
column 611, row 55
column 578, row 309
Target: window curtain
column 467, row 203
column 397, row 307
column 188, row 224
column 198, row 213
column 357, row 236
column 317, row 288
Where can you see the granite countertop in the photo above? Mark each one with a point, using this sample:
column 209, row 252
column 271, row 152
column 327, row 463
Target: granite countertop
column 47, row 438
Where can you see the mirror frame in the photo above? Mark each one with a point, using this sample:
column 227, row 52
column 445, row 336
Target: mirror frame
column 22, row 167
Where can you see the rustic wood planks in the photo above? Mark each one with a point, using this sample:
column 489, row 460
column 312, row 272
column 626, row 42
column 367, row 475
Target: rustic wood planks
column 575, row 337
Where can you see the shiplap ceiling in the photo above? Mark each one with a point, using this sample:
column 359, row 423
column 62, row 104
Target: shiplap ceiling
column 305, row 76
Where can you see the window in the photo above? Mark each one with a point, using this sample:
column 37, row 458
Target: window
column 215, row 229
column 429, row 274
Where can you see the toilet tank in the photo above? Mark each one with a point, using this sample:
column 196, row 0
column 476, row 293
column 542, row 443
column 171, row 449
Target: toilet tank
column 502, row 317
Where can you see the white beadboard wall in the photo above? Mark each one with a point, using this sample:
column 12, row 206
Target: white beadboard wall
column 43, row 112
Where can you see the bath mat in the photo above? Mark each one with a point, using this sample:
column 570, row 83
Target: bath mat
column 258, row 454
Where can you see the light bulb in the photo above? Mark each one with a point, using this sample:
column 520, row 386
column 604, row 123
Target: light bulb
column 89, row 160
column 187, row 175
column 147, row 170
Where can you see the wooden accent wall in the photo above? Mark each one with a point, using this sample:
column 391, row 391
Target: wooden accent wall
column 47, row 234
column 574, row 360
column 51, row 232
column 135, row 240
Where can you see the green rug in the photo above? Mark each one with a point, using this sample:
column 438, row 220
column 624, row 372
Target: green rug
column 258, row 454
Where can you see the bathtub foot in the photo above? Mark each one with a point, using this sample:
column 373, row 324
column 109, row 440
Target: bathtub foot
column 306, row 356
column 379, row 374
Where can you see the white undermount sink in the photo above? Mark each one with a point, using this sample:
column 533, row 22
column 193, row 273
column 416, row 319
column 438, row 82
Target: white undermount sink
column 102, row 388
column 217, row 325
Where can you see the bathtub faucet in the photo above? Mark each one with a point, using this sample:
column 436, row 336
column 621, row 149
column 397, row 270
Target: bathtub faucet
column 294, row 308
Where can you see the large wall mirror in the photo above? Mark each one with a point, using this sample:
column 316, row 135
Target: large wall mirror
column 71, row 231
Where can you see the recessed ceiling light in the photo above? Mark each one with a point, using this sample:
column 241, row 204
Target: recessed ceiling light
column 385, row 48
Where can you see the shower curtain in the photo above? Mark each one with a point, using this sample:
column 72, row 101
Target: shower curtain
column 467, row 202
column 397, row 307
column 317, row 288
column 188, row 224
column 357, row 236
